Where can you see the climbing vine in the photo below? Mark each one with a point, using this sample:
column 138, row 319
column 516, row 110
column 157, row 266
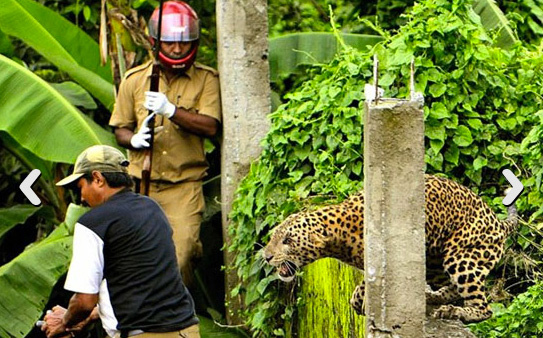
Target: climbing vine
column 481, row 116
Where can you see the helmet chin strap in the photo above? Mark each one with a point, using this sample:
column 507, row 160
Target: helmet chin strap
column 172, row 68
column 181, row 64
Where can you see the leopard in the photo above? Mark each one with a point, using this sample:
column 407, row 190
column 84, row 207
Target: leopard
column 464, row 240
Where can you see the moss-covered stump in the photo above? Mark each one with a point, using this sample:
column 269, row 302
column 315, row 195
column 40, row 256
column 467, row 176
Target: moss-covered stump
column 326, row 288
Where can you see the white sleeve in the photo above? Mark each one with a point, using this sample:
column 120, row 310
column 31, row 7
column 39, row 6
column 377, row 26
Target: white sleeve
column 86, row 269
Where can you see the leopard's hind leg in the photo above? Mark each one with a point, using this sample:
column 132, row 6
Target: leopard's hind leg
column 444, row 295
column 467, row 270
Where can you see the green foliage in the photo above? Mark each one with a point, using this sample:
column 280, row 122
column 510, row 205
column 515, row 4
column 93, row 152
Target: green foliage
column 527, row 17
column 494, row 20
column 480, row 103
column 11, row 217
column 522, row 319
column 61, row 43
column 290, row 51
column 209, row 328
column 32, row 111
column 313, row 17
column 23, row 299
column 287, row 16
column 388, row 13
column 84, row 14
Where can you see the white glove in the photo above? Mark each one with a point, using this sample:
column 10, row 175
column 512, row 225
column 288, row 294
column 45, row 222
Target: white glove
column 158, row 102
column 139, row 139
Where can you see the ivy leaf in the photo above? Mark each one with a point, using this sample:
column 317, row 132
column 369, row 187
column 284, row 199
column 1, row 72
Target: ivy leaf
column 357, row 167
column 436, row 145
column 261, row 287
column 507, row 124
column 401, row 56
column 475, row 124
column 462, row 137
column 433, row 159
column 452, row 154
column 479, row 163
column 439, row 111
column 334, row 91
column 437, row 89
column 435, row 132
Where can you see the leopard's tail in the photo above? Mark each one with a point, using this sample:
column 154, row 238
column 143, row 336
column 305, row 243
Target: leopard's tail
column 511, row 223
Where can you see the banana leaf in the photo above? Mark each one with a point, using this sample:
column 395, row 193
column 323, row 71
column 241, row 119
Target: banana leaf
column 27, row 158
column 42, row 120
column 26, row 282
column 492, row 19
column 6, row 47
column 289, row 51
column 11, row 217
column 61, row 42
column 31, row 161
column 75, row 94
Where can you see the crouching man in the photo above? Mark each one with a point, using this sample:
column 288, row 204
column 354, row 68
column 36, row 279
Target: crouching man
column 124, row 267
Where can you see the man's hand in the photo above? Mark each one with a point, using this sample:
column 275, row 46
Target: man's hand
column 158, row 103
column 53, row 324
column 139, row 139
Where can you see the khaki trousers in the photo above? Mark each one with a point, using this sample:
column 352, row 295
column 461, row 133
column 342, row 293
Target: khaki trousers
column 190, row 332
column 184, row 205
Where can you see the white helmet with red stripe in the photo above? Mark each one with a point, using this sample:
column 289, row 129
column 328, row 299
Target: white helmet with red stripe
column 180, row 23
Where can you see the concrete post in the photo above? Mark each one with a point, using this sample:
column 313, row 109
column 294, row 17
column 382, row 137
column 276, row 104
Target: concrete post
column 242, row 48
column 394, row 235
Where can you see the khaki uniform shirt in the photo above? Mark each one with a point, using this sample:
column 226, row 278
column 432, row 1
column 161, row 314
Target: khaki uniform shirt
column 177, row 154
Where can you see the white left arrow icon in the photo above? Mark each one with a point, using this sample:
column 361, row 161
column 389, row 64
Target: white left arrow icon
column 516, row 189
column 26, row 187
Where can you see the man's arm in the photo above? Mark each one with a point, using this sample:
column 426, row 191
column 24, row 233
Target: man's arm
column 198, row 124
column 123, row 137
column 80, row 308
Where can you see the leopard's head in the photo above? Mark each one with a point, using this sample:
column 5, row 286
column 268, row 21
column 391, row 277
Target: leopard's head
column 296, row 242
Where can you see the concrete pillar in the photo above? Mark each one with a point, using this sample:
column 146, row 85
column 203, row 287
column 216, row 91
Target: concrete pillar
column 394, row 218
column 242, row 48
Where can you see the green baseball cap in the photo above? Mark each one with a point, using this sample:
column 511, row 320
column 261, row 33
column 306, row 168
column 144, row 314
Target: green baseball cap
column 105, row 159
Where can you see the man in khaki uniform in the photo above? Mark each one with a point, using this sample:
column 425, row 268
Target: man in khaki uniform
column 187, row 109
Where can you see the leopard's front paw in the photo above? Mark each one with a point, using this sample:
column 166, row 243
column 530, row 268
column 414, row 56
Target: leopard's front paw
column 448, row 312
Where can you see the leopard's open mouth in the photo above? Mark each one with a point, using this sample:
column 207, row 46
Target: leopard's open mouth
column 287, row 271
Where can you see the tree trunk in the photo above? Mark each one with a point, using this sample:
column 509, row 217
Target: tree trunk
column 325, row 310
column 242, row 48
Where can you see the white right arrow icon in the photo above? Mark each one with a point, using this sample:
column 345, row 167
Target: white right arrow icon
column 516, row 189
column 26, row 187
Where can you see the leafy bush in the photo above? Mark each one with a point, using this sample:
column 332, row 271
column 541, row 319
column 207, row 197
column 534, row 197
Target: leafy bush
column 287, row 16
column 527, row 16
column 481, row 102
column 522, row 319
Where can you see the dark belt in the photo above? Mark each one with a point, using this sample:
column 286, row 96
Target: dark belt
column 130, row 333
